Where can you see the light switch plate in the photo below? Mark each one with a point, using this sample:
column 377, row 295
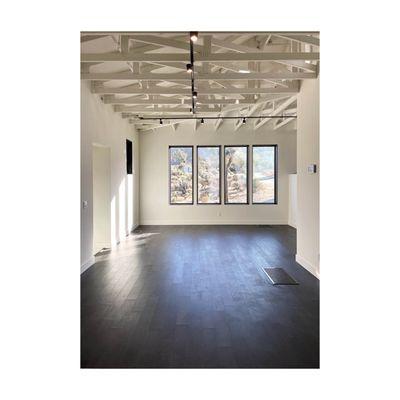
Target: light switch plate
column 312, row 168
column 84, row 204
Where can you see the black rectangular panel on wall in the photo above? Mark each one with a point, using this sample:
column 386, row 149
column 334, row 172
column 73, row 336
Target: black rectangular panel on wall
column 128, row 157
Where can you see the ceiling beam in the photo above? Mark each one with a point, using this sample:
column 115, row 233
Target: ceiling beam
column 294, row 88
column 109, row 99
column 177, row 110
column 163, row 41
column 301, row 39
column 218, row 122
column 277, row 111
column 88, row 38
column 246, row 49
column 252, row 33
column 107, row 76
column 283, row 123
column 155, row 125
column 253, row 109
column 171, row 57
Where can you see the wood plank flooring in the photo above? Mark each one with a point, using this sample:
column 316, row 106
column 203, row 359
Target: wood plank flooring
column 196, row 297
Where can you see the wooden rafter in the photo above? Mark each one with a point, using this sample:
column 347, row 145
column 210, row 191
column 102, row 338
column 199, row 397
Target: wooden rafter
column 236, row 73
column 180, row 57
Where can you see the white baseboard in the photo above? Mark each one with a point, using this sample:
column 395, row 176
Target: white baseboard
column 307, row 265
column 86, row 265
column 213, row 222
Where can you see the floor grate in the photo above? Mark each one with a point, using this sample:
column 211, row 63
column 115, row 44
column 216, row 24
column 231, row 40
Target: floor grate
column 278, row 276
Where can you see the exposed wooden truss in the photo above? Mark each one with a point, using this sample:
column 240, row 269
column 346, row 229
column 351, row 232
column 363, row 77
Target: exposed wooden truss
column 236, row 74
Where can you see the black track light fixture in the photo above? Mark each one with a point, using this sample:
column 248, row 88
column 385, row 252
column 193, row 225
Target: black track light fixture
column 195, row 95
column 194, row 36
column 244, row 120
column 202, row 120
column 161, row 121
column 189, row 68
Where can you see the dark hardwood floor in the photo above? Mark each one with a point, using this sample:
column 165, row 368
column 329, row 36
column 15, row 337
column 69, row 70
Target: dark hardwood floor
column 196, row 297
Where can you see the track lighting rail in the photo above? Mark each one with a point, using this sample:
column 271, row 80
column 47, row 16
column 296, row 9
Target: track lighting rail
column 219, row 117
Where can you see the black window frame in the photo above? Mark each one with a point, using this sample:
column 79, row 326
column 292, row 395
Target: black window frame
column 275, row 146
column 197, row 175
column 169, row 175
column 247, row 176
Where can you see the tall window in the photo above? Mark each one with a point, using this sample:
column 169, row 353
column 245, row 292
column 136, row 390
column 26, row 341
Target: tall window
column 236, row 177
column 208, row 175
column 129, row 168
column 264, row 174
column 181, row 174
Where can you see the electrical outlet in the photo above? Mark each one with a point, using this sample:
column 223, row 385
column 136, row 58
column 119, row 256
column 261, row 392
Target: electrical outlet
column 84, row 204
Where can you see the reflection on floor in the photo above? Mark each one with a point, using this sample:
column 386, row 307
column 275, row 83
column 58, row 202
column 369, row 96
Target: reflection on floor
column 196, row 296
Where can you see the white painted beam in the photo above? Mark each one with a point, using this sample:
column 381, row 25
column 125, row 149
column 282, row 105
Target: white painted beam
column 283, row 123
column 256, row 107
column 198, row 76
column 88, row 38
column 167, row 42
column 301, row 39
column 294, row 88
column 156, row 125
column 171, row 57
column 218, row 123
column 277, row 111
column 176, row 110
column 110, row 99
column 246, row 49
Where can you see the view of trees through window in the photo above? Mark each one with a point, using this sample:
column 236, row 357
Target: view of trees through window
column 208, row 175
column 236, row 175
column 181, row 175
column 263, row 174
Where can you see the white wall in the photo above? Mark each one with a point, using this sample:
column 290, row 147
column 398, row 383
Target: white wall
column 101, row 125
column 154, row 201
column 292, row 217
column 101, row 198
column 308, row 184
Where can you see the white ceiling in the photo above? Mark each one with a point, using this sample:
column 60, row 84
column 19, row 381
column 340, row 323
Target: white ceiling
column 143, row 74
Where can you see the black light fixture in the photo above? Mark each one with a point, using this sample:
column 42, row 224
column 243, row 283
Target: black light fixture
column 189, row 68
column 195, row 95
column 193, row 36
column 244, row 120
column 202, row 121
column 161, row 121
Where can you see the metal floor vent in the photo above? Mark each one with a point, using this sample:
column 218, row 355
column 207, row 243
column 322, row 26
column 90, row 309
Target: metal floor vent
column 278, row 276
